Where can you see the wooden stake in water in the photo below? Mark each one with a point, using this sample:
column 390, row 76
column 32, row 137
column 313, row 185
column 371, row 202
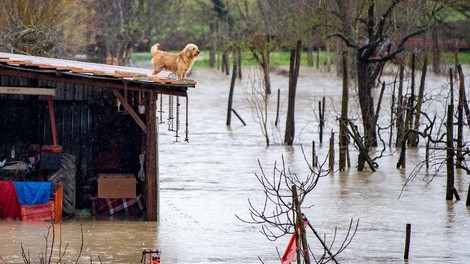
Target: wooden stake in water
column 332, row 152
column 343, row 121
column 321, row 112
column 277, row 107
column 450, row 153
column 407, row 241
column 314, row 160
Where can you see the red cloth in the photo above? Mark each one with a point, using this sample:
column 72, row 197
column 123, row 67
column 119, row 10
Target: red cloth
column 291, row 249
column 9, row 204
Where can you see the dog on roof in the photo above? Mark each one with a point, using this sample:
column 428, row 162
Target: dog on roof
column 180, row 63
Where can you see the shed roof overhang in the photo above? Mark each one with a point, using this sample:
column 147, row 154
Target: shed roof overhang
column 91, row 74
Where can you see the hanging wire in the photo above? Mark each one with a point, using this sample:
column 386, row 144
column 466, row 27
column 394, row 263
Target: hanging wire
column 177, row 118
column 161, row 109
column 187, row 123
column 170, row 113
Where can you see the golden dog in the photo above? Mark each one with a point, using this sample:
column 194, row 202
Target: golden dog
column 179, row 63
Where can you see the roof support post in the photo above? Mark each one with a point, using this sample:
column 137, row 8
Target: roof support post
column 151, row 160
column 55, row 142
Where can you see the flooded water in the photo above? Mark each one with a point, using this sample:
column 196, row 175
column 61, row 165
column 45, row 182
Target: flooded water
column 205, row 183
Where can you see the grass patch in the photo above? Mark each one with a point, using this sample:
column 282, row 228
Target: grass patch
column 449, row 57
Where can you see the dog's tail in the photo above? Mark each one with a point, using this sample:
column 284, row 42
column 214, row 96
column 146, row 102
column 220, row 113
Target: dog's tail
column 154, row 49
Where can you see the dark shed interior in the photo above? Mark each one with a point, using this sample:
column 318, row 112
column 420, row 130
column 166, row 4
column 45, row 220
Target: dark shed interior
column 95, row 121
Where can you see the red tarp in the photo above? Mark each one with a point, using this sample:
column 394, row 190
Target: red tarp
column 9, row 205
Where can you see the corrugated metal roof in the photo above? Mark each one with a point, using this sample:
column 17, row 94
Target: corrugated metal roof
column 90, row 70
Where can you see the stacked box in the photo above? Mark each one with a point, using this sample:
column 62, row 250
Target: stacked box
column 116, row 186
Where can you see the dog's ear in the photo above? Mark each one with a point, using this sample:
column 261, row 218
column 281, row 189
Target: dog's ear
column 187, row 51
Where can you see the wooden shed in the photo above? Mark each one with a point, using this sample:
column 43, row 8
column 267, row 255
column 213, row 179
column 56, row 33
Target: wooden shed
column 104, row 116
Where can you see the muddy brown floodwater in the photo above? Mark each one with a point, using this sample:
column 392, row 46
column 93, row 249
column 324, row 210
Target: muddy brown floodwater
column 205, row 183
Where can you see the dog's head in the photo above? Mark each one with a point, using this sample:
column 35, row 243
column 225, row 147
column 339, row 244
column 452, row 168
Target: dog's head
column 191, row 50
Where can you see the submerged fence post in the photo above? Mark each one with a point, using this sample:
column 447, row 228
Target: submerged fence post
column 314, row 158
column 450, row 152
column 343, row 120
column 407, row 241
column 277, row 108
column 321, row 110
column 332, row 152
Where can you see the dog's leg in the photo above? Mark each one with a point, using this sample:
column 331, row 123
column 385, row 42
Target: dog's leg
column 179, row 75
column 157, row 70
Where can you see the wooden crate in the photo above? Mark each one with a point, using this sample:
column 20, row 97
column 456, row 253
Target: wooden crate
column 38, row 212
column 51, row 211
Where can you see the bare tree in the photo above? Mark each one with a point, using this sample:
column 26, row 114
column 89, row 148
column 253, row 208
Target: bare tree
column 258, row 100
column 377, row 31
column 282, row 211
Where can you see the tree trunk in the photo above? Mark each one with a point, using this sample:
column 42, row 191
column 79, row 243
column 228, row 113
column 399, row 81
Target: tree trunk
column 310, row 55
column 366, row 102
column 343, row 121
column 213, row 46
column 400, row 106
column 266, row 64
column 302, row 242
column 414, row 136
column 450, row 153
column 293, row 76
column 232, row 87
column 436, row 52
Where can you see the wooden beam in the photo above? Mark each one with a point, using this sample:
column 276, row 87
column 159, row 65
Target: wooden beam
column 130, row 110
column 52, row 118
column 27, row 90
column 151, row 160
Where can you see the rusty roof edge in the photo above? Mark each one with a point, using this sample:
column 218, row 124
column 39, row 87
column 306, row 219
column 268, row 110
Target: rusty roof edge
column 79, row 64
column 100, row 71
column 91, row 80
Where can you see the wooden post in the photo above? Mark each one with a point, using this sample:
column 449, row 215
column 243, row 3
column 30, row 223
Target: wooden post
column 302, row 243
column 277, row 108
column 321, row 122
column 462, row 84
column 407, row 241
column 321, row 110
column 331, row 158
column 318, row 56
column 450, row 153
column 468, row 196
column 404, row 138
column 419, row 102
column 239, row 117
column 151, row 161
column 411, row 100
column 343, row 121
column 400, row 106
column 459, row 159
column 392, row 110
column 230, row 95
column 314, row 160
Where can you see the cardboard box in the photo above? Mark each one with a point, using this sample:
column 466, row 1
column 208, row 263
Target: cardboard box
column 116, row 186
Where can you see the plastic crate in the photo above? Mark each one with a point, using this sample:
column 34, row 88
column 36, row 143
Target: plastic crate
column 38, row 212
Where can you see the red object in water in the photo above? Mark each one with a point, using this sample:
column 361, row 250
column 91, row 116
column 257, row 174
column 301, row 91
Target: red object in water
column 153, row 259
column 291, row 249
